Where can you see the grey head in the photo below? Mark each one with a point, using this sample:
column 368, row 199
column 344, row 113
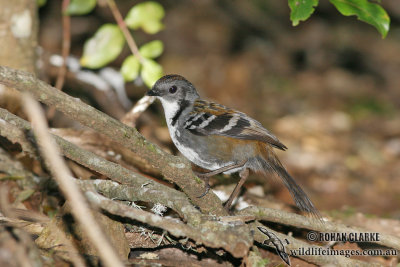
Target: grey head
column 174, row 88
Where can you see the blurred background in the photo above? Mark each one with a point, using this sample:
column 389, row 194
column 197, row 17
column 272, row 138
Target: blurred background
column 328, row 88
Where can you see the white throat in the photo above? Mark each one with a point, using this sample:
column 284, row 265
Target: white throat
column 170, row 109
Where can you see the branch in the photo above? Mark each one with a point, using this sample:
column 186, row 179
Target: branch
column 80, row 210
column 66, row 44
column 131, row 117
column 14, row 129
column 96, row 143
column 122, row 25
column 146, row 193
column 282, row 217
column 174, row 169
column 233, row 239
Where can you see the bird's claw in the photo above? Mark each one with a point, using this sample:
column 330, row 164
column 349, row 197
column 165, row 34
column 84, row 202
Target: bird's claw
column 207, row 188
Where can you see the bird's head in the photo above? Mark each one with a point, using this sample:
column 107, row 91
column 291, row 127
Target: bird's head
column 174, row 89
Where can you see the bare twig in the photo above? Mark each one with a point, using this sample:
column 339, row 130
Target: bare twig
column 61, row 173
column 131, row 117
column 30, row 227
column 122, row 25
column 174, row 169
column 299, row 221
column 66, row 44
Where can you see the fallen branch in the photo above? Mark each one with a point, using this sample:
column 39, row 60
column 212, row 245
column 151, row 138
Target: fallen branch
column 174, row 169
column 171, row 199
column 233, row 239
column 80, row 210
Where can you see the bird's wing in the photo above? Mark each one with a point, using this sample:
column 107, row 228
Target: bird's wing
column 209, row 118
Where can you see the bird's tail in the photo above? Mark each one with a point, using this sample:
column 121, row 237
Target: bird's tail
column 269, row 162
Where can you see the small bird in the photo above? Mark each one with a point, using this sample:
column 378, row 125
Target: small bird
column 221, row 139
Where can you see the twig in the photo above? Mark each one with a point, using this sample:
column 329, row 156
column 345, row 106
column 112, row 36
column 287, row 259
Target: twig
column 225, row 236
column 122, row 25
column 174, row 169
column 14, row 128
column 61, row 173
column 66, row 45
column 29, row 227
column 299, row 221
column 131, row 117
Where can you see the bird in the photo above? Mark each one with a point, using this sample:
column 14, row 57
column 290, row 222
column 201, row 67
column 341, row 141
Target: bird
column 221, row 139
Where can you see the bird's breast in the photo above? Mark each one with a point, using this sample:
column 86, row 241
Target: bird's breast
column 211, row 152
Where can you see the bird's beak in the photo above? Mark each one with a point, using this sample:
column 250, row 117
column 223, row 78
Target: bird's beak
column 153, row 92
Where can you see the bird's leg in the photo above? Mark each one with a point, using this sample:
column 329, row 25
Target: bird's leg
column 243, row 176
column 206, row 175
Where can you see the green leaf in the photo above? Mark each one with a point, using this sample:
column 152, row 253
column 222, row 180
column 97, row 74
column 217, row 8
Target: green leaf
column 301, row 10
column 146, row 15
column 152, row 49
column 152, row 27
column 130, row 68
column 81, row 7
column 103, row 47
column 151, row 72
column 365, row 11
column 41, row 3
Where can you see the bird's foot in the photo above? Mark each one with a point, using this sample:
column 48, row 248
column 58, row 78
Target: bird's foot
column 206, row 180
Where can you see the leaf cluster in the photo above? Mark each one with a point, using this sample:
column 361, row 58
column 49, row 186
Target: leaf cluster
column 108, row 41
column 371, row 13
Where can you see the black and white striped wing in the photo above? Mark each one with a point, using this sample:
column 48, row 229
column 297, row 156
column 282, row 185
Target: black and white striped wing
column 214, row 119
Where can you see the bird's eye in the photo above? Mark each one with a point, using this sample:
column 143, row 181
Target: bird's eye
column 173, row 89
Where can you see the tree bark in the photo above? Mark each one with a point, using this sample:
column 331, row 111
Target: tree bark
column 19, row 38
